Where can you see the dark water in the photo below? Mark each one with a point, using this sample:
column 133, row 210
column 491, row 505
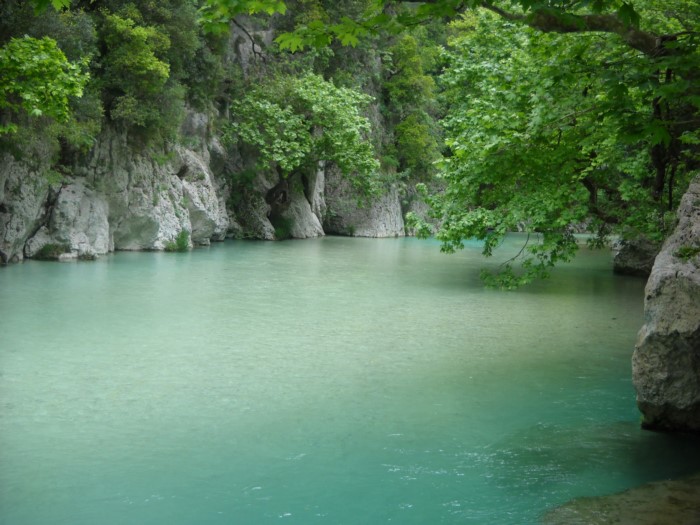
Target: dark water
column 333, row 381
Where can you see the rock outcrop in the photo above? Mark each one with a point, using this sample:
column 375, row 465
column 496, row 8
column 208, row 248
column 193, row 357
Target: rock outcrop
column 666, row 361
column 120, row 197
column 269, row 207
column 77, row 223
column 634, row 257
column 153, row 196
column 115, row 198
column 25, row 194
column 378, row 217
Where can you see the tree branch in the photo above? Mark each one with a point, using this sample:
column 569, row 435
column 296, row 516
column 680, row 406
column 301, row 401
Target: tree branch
column 548, row 21
column 252, row 40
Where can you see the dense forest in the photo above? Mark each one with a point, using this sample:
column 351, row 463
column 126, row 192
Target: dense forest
column 551, row 118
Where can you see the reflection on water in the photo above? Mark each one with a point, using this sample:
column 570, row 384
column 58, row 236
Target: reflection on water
column 326, row 381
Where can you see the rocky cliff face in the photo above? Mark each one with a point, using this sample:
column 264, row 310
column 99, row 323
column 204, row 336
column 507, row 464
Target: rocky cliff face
column 118, row 198
column 378, row 217
column 666, row 362
column 114, row 199
column 25, row 200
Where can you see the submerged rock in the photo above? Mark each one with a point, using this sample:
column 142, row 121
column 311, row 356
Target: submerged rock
column 666, row 361
column 671, row 502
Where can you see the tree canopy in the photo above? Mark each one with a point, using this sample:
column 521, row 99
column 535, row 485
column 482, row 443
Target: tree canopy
column 553, row 133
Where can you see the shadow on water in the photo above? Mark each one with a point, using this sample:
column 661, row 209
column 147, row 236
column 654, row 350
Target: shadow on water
column 551, row 453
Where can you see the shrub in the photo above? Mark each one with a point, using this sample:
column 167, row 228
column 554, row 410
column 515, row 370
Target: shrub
column 51, row 252
column 180, row 244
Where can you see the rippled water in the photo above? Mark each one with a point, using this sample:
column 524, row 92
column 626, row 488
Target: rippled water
column 333, row 381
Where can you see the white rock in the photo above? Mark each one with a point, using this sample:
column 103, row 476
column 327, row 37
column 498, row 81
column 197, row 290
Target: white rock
column 23, row 195
column 380, row 217
column 666, row 361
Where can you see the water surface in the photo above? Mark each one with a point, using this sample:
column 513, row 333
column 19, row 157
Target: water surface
column 330, row 381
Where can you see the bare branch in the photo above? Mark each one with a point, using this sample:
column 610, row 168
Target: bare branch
column 253, row 43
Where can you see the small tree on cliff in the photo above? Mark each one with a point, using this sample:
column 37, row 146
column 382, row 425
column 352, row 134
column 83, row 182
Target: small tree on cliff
column 295, row 122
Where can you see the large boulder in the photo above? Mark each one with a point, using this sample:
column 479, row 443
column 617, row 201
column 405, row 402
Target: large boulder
column 634, row 257
column 303, row 222
column 666, row 361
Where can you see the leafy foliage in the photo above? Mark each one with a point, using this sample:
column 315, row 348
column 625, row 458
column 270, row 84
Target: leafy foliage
column 42, row 5
column 561, row 113
column 549, row 131
column 180, row 244
column 36, row 78
column 147, row 59
column 134, row 72
column 410, row 103
column 295, row 122
column 216, row 15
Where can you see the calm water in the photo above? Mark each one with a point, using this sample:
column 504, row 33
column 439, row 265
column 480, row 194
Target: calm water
column 330, row 381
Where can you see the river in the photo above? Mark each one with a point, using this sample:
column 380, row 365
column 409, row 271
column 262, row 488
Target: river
column 330, row 381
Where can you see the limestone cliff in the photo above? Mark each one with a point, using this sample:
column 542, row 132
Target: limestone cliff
column 268, row 207
column 120, row 198
column 117, row 197
column 377, row 217
column 666, row 362
column 26, row 197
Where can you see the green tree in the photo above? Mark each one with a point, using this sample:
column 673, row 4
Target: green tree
column 36, row 79
column 134, row 70
column 295, row 122
column 410, row 103
column 547, row 131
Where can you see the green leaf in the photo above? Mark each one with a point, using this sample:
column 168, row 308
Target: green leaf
column 60, row 4
column 290, row 42
column 627, row 14
column 658, row 134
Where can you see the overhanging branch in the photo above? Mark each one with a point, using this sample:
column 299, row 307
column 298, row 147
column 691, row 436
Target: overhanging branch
column 549, row 21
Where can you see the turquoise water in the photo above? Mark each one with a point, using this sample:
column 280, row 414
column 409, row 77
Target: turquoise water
column 330, row 381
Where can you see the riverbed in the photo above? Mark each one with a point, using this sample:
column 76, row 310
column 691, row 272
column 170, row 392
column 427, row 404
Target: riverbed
column 330, row 381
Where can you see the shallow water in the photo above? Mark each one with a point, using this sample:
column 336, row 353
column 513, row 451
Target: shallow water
column 333, row 381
